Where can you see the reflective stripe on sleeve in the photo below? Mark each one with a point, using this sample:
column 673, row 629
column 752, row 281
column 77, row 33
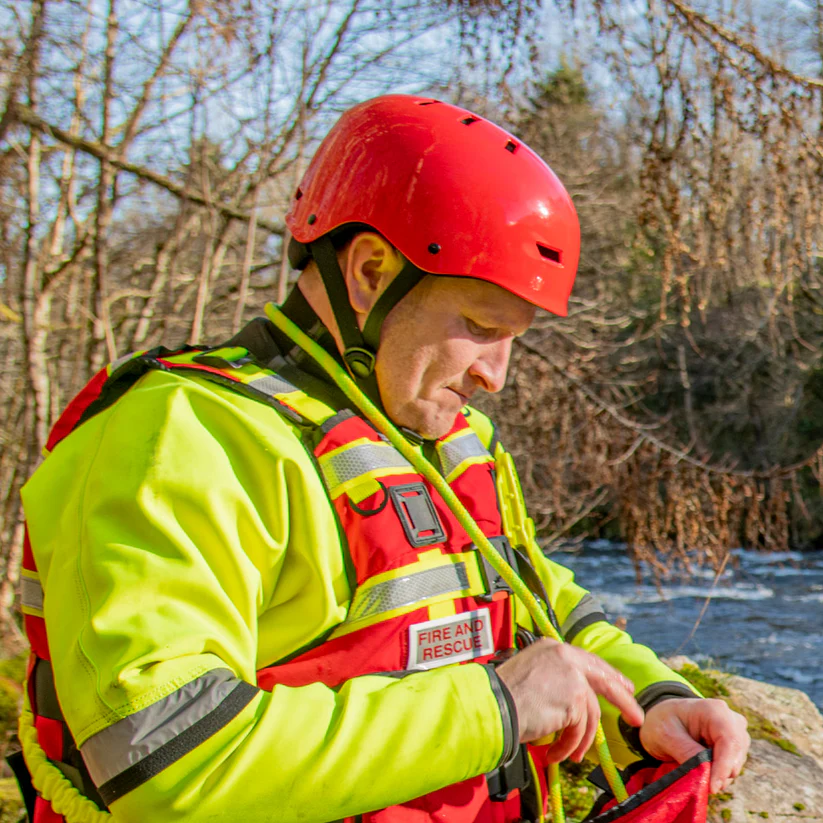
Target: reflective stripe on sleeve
column 461, row 451
column 353, row 463
column 133, row 750
column 586, row 612
column 31, row 595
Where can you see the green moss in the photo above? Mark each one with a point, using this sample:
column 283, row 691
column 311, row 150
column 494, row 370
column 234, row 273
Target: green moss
column 715, row 801
column 15, row 667
column 799, row 807
column 710, row 684
column 578, row 793
column 787, row 746
column 12, row 673
column 11, row 804
column 764, row 814
column 704, row 682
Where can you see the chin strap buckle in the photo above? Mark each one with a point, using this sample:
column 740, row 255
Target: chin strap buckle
column 360, row 361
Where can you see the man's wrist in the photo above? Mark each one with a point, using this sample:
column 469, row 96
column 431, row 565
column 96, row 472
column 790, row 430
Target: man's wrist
column 648, row 698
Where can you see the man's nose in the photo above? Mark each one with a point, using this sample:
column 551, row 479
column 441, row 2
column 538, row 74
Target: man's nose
column 490, row 366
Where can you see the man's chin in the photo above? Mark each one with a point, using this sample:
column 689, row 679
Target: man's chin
column 437, row 426
column 429, row 426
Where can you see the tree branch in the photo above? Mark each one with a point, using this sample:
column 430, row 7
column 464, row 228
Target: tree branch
column 27, row 117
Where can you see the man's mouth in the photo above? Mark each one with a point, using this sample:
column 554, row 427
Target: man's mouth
column 464, row 398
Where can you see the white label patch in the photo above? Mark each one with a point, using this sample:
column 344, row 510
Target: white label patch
column 450, row 639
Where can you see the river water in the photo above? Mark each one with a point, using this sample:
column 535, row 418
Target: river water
column 764, row 618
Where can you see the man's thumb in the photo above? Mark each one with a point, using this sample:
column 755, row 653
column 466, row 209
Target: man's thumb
column 681, row 745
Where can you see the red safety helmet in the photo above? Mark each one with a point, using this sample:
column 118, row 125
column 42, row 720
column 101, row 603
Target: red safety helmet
column 456, row 194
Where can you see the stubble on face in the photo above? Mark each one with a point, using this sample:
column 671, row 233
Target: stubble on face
column 431, row 356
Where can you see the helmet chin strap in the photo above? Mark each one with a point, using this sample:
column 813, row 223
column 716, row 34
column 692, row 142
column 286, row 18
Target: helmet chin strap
column 360, row 347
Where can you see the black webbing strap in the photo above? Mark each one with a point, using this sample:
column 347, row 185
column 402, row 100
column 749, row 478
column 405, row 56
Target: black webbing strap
column 512, row 775
column 360, row 347
column 359, row 358
column 531, row 578
column 408, row 277
column 325, row 256
column 18, row 766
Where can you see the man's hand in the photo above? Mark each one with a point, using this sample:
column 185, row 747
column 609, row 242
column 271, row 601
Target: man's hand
column 678, row 729
column 555, row 688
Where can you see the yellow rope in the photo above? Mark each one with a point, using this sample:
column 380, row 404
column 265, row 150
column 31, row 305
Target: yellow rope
column 484, row 545
column 541, row 818
column 49, row 781
column 556, row 794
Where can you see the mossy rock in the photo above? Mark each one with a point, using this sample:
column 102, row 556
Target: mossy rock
column 710, row 684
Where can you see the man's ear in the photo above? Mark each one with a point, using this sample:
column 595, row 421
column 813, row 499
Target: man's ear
column 371, row 263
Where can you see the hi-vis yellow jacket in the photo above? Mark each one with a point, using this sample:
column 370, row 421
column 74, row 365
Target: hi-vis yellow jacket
column 183, row 540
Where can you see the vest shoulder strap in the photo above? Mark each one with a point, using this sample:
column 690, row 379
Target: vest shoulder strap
column 235, row 368
column 232, row 367
column 483, row 427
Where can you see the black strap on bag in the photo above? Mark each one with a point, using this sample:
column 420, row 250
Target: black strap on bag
column 18, row 766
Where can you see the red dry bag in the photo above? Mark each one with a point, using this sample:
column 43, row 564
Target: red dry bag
column 660, row 793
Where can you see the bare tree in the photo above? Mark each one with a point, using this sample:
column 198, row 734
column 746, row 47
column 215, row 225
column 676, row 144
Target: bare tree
column 149, row 152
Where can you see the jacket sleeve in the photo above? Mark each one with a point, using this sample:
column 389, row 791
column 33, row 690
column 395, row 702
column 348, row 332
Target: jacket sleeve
column 582, row 622
column 160, row 529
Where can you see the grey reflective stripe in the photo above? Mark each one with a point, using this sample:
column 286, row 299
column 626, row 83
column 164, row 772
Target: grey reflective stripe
column 115, row 364
column 272, row 384
column 586, row 612
column 359, row 460
column 139, row 746
column 407, row 590
column 31, row 593
column 454, row 452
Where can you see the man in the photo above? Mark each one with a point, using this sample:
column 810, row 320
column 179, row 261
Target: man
column 248, row 604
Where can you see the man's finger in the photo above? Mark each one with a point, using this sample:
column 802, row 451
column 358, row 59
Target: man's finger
column 618, row 690
column 727, row 761
column 566, row 743
column 592, row 719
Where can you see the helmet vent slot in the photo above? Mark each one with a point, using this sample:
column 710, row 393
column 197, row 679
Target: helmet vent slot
column 550, row 254
column 511, row 146
column 427, row 102
column 467, row 121
column 298, row 194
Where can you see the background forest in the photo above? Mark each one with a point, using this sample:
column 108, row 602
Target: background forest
column 148, row 149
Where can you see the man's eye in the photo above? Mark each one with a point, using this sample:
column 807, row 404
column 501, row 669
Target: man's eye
column 477, row 330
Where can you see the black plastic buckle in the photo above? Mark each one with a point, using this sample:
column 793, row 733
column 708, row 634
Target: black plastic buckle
column 417, row 514
column 510, row 776
column 494, row 582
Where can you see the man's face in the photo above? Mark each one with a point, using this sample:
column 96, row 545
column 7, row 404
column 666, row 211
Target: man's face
column 449, row 337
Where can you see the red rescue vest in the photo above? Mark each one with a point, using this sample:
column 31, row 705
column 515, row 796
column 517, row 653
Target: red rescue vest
column 422, row 595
